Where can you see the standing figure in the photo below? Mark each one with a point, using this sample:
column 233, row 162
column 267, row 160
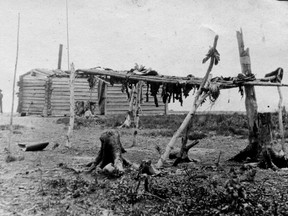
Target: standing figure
column 1, row 96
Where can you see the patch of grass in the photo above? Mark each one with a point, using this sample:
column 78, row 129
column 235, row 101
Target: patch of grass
column 7, row 127
column 159, row 132
column 221, row 124
column 197, row 192
column 81, row 122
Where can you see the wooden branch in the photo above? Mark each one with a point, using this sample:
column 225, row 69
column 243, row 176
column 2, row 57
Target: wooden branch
column 192, row 144
column 72, row 107
column 196, row 104
column 259, row 83
column 135, row 77
column 175, row 80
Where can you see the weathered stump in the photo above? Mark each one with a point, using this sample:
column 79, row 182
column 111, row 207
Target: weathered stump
column 260, row 150
column 110, row 153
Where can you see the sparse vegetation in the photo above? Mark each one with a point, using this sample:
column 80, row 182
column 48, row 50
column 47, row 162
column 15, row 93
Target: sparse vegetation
column 210, row 187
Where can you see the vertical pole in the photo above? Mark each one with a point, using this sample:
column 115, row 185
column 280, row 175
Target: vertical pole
column 281, row 127
column 60, row 56
column 166, row 108
column 105, row 98
column 250, row 99
column 13, row 90
column 67, row 31
column 72, row 107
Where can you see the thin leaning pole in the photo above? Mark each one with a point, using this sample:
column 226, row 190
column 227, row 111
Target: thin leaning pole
column 13, row 90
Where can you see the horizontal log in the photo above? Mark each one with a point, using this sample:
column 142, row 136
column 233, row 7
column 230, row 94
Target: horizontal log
column 77, row 97
column 31, row 95
column 31, row 80
column 175, row 80
column 32, row 110
column 28, row 85
column 135, row 77
column 124, row 112
column 76, row 93
column 77, row 79
column 66, row 110
column 55, row 107
column 32, row 99
column 33, row 106
column 67, row 83
column 125, row 108
column 143, row 106
column 77, row 88
column 65, row 100
column 34, row 88
column 114, row 96
column 28, row 91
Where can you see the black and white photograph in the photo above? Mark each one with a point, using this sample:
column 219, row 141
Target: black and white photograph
column 143, row 107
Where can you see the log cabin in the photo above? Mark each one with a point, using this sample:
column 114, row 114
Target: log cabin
column 46, row 92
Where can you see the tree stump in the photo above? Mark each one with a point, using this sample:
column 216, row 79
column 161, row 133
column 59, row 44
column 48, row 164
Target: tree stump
column 110, row 153
column 260, row 150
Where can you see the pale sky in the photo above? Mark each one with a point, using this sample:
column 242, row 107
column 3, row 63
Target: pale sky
column 169, row 36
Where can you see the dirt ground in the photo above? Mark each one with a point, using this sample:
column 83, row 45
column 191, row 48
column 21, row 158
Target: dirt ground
column 24, row 184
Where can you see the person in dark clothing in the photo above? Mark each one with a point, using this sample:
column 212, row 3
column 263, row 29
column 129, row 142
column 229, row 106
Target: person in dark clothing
column 1, row 96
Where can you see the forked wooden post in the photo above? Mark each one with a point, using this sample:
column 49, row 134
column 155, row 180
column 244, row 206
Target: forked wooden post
column 72, row 106
column 199, row 98
column 250, row 99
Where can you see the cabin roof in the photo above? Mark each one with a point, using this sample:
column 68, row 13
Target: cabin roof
column 44, row 73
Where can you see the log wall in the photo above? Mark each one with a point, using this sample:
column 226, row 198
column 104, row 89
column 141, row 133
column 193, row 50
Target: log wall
column 60, row 96
column 32, row 95
column 49, row 96
column 117, row 102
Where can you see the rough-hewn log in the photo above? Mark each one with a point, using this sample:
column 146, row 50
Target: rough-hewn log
column 199, row 98
column 173, row 80
column 250, row 103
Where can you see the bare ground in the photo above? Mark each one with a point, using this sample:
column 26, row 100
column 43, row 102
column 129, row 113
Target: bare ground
column 32, row 186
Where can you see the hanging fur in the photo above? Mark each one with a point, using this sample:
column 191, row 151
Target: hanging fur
column 214, row 91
